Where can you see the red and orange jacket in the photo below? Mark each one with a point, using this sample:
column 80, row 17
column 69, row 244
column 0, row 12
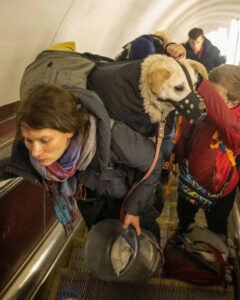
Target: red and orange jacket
column 213, row 144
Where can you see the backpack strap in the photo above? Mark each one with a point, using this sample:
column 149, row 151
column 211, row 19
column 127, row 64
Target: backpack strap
column 158, row 43
column 220, row 263
column 194, row 192
column 96, row 58
column 160, row 136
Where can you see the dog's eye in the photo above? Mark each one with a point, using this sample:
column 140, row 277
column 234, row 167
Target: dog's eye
column 179, row 88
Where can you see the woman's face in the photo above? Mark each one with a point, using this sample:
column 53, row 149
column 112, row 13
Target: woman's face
column 46, row 145
column 224, row 95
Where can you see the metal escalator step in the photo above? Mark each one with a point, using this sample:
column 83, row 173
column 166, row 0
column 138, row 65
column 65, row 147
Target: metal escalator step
column 170, row 203
column 169, row 213
column 171, row 224
column 91, row 288
column 82, row 231
column 76, row 261
column 77, row 277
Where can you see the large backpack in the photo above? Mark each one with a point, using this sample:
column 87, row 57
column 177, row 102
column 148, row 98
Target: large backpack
column 198, row 256
column 63, row 68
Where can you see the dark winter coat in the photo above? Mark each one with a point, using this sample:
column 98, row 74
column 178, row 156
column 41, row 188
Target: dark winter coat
column 210, row 57
column 117, row 84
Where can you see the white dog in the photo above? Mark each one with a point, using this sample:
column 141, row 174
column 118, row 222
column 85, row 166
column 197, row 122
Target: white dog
column 163, row 77
column 139, row 93
column 143, row 92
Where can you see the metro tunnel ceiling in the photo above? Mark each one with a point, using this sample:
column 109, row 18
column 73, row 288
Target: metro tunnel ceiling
column 103, row 27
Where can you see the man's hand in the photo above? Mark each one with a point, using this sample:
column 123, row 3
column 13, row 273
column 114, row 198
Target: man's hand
column 176, row 51
column 132, row 220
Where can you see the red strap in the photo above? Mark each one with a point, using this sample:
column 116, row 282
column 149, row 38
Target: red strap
column 220, row 263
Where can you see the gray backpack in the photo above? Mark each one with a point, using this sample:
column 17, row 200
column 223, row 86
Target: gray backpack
column 63, row 68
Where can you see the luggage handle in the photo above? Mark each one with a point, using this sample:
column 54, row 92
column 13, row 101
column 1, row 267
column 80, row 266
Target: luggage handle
column 129, row 236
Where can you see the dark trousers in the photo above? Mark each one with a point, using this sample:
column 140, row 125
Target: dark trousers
column 96, row 210
column 217, row 216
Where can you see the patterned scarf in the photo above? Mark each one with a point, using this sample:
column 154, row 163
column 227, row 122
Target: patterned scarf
column 61, row 182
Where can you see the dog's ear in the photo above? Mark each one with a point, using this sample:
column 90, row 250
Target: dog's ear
column 197, row 66
column 156, row 79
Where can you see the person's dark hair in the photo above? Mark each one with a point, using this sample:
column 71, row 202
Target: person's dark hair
column 195, row 33
column 49, row 106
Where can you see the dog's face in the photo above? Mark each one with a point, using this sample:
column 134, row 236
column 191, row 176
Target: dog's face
column 163, row 78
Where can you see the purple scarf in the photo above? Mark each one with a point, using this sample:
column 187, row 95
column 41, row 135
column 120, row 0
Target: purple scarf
column 61, row 182
column 67, row 164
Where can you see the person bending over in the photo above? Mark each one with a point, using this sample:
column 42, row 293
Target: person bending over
column 65, row 142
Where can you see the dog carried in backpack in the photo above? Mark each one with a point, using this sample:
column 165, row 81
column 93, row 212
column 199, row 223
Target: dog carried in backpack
column 137, row 93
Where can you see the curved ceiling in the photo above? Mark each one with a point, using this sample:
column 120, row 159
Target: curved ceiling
column 98, row 26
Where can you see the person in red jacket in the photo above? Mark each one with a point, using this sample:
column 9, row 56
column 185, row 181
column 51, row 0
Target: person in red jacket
column 206, row 152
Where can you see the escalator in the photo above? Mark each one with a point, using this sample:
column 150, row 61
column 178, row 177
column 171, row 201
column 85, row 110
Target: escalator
column 72, row 280
column 39, row 263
